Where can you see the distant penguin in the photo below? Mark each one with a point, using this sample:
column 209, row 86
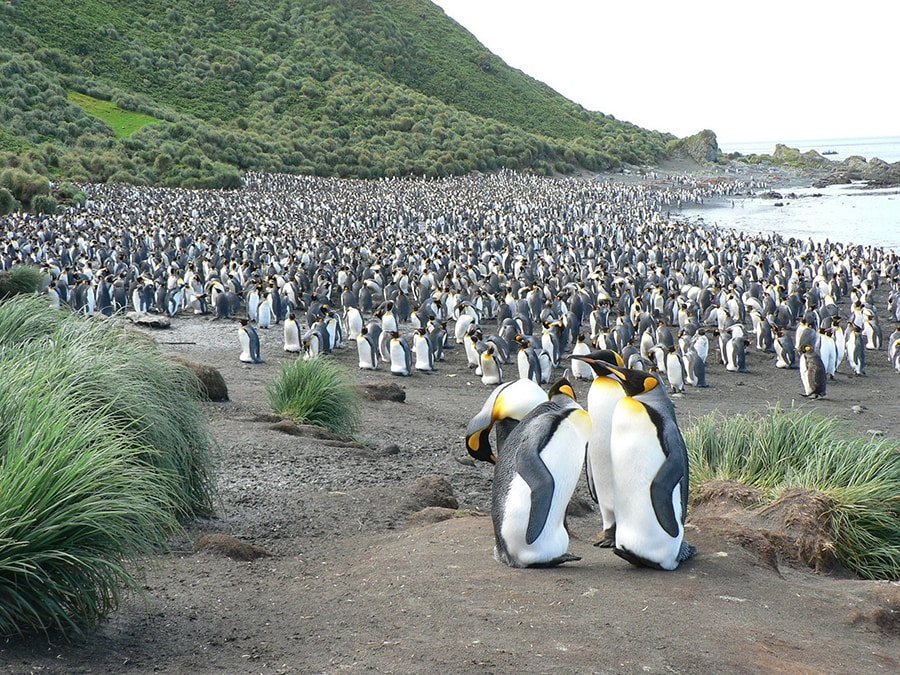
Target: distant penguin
column 312, row 344
column 736, row 354
column 700, row 344
column 694, row 369
column 528, row 362
column 675, row 370
column 367, row 350
column 400, row 355
column 580, row 369
column 828, row 351
column 491, row 368
column 812, row 372
column 501, row 412
column 264, row 312
column 422, row 349
column 785, row 352
column 292, row 335
column 437, row 334
column 650, row 474
column 249, row 340
column 461, row 327
column 872, row 330
column 605, row 392
column 856, row 350
column 536, row 473
column 354, row 320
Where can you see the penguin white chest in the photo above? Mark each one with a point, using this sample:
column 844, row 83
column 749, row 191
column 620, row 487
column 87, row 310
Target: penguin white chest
column 563, row 456
column 637, row 456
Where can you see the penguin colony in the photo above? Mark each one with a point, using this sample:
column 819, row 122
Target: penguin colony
column 511, row 272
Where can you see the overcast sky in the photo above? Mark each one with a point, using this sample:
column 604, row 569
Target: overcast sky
column 751, row 71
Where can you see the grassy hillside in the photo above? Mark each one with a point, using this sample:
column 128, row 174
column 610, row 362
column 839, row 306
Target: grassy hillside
column 332, row 87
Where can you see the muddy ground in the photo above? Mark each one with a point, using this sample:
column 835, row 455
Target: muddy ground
column 352, row 575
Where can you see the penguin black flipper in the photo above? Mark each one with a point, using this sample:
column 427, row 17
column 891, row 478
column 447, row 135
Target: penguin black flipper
column 532, row 469
column 670, row 474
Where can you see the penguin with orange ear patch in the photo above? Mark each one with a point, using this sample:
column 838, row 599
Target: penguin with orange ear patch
column 650, row 472
column 536, row 473
column 502, row 411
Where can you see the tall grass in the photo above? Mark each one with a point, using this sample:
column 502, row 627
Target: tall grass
column 24, row 319
column 860, row 476
column 77, row 509
column 20, row 279
column 150, row 400
column 103, row 445
column 316, row 391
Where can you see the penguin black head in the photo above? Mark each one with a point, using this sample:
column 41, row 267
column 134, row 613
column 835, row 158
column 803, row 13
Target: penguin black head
column 508, row 402
column 601, row 356
column 632, row 380
column 563, row 387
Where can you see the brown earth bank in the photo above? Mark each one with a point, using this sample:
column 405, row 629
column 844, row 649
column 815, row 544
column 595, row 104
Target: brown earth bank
column 373, row 554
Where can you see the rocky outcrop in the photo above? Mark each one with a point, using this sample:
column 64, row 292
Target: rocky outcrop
column 874, row 172
column 701, row 147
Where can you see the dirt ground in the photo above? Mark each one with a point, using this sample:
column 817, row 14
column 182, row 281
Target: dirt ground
column 361, row 580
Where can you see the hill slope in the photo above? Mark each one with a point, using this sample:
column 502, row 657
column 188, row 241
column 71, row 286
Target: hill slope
column 363, row 88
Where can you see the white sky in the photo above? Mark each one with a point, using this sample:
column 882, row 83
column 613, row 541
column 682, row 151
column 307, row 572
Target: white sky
column 757, row 70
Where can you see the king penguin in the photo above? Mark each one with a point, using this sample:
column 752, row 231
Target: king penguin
column 292, row 335
column 604, row 394
column 423, row 351
column 491, row 368
column 502, row 411
column 536, row 473
column 249, row 343
column 650, row 472
column 580, row 369
column 812, row 372
column 400, row 355
column 367, row 349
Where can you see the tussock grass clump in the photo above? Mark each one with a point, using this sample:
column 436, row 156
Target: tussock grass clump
column 316, row 391
column 20, row 279
column 78, row 507
column 103, row 446
column 860, row 476
column 24, row 318
column 150, row 400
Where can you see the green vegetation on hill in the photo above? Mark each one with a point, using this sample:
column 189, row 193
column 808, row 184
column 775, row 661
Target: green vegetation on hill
column 123, row 122
column 364, row 88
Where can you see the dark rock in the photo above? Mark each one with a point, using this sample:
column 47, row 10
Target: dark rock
column 431, row 490
column 230, row 547
column 148, row 320
column 212, row 384
column 382, row 392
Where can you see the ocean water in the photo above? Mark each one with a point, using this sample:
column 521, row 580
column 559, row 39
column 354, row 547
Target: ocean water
column 839, row 213
column 886, row 148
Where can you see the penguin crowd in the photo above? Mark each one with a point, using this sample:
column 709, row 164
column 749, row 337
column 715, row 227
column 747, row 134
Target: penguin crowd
column 522, row 277
column 525, row 269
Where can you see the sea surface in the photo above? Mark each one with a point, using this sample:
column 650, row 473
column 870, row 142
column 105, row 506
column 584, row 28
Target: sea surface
column 838, row 213
column 886, row 148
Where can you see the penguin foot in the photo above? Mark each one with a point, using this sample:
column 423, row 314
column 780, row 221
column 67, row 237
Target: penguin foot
column 564, row 558
column 607, row 538
column 635, row 559
column 687, row 551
